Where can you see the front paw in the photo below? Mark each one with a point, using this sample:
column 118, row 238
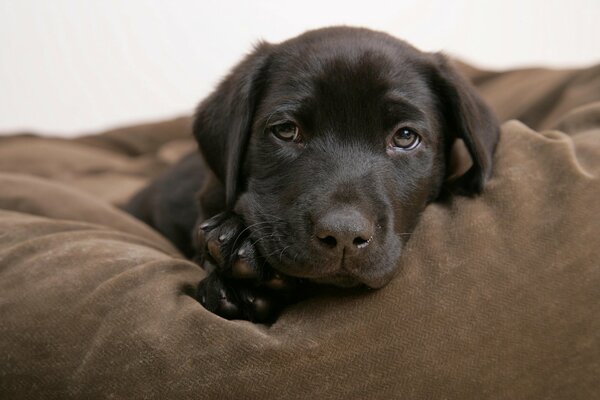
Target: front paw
column 240, row 283
column 232, row 299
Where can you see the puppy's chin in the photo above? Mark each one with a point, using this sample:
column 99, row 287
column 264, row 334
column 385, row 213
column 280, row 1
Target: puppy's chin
column 343, row 281
column 374, row 269
column 345, row 278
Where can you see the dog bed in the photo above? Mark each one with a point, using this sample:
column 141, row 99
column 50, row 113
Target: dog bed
column 498, row 296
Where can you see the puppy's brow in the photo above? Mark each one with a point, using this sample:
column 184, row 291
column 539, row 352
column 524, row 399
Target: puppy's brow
column 285, row 108
column 282, row 111
column 403, row 108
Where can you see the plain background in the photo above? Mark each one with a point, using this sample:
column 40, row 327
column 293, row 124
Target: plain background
column 73, row 67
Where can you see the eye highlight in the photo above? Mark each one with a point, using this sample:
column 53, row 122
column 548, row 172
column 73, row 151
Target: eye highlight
column 286, row 131
column 405, row 139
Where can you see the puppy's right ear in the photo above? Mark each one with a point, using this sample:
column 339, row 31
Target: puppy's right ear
column 223, row 121
column 470, row 119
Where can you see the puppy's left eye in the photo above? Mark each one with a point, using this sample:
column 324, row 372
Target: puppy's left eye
column 287, row 131
column 405, row 139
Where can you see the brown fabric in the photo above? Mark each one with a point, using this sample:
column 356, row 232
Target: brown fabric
column 498, row 296
column 538, row 97
column 107, row 165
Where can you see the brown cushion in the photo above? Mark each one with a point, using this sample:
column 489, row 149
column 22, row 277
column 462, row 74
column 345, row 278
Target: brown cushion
column 497, row 298
column 91, row 163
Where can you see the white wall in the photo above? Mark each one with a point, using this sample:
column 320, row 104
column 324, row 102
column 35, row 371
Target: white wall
column 68, row 67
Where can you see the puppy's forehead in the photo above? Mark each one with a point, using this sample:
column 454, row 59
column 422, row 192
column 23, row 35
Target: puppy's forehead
column 326, row 66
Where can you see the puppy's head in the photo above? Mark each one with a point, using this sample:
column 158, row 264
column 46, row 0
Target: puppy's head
column 332, row 143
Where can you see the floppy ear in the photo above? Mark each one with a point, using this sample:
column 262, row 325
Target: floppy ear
column 223, row 121
column 467, row 118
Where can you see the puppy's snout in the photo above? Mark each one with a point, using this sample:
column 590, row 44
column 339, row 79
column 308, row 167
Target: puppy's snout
column 344, row 229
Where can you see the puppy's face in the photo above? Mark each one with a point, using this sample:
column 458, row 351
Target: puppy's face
column 344, row 138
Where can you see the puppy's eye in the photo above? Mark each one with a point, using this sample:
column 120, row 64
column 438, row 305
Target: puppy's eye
column 287, row 131
column 405, row 139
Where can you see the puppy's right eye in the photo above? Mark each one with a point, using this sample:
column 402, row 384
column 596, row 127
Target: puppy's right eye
column 287, row 131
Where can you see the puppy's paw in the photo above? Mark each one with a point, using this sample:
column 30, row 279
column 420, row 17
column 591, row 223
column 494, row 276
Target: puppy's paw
column 240, row 283
column 224, row 244
column 231, row 300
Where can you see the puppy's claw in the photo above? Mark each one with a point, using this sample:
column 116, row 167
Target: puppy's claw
column 205, row 226
column 257, row 306
column 214, row 249
column 244, row 266
column 228, row 310
column 200, row 239
column 216, row 298
column 263, row 310
column 277, row 282
column 241, row 269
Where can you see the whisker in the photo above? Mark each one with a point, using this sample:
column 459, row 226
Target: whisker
column 282, row 251
column 247, row 228
column 267, row 236
column 275, row 217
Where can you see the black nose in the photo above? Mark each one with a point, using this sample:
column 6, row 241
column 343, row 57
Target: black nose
column 344, row 228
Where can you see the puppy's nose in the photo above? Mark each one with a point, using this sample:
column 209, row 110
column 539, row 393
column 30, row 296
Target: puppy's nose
column 344, row 228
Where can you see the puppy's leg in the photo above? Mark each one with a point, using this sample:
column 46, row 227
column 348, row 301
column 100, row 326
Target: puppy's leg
column 240, row 285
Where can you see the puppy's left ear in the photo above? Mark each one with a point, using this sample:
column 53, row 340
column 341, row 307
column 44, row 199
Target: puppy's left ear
column 223, row 121
column 468, row 118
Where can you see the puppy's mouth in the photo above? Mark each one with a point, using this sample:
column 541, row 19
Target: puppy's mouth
column 341, row 273
column 340, row 279
column 348, row 280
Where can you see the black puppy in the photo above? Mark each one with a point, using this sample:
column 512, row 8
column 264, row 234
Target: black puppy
column 325, row 149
